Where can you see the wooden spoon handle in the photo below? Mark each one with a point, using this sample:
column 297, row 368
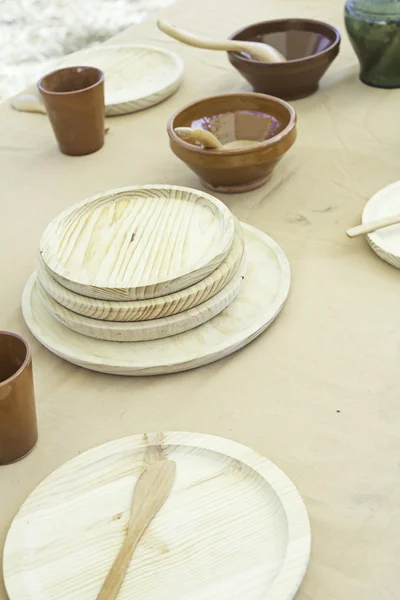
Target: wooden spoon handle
column 373, row 226
column 151, row 491
column 260, row 51
column 194, row 40
column 113, row 582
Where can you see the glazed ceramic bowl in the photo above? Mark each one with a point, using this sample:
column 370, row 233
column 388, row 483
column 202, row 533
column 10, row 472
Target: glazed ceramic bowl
column 231, row 117
column 308, row 46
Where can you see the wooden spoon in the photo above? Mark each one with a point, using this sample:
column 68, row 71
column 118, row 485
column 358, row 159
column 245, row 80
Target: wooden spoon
column 208, row 139
column 256, row 50
column 373, row 226
column 150, row 493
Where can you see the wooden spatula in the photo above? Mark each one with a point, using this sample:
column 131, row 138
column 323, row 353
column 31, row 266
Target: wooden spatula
column 151, row 491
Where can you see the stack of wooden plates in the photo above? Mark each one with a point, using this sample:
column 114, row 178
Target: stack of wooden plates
column 141, row 271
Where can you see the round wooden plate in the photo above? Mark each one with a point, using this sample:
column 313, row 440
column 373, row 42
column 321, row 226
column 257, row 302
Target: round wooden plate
column 139, row 331
column 234, row 526
column 155, row 308
column 138, row 242
column 385, row 242
column 260, row 299
column 136, row 77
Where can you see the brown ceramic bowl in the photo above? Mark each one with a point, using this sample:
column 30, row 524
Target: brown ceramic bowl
column 231, row 117
column 309, row 47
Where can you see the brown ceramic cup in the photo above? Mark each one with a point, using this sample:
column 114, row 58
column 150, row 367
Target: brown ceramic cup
column 18, row 426
column 74, row 101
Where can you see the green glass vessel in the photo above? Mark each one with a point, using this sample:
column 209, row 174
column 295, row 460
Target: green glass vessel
column 373, row 27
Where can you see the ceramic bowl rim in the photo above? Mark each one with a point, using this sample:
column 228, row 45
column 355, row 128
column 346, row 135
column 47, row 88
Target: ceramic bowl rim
column 43, row 90
column 19, row 337
column 234, row 152
column 294, row 20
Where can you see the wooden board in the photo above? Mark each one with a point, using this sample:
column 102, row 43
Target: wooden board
column 155, row 308
column 234, row 526
column 136, row 77
column 140, row 331
column 258, row 303
column 385, row 242
column 138, row 242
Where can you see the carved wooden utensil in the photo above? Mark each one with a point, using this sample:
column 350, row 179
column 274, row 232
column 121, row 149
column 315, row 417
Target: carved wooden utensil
column 208, row 139
column 373, row 226
column 256, row 50
column 151, row 491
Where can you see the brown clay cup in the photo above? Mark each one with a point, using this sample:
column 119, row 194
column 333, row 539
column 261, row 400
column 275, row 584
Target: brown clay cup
column 230, row 117
column 74, row 101
column 18, row 426
column 309, row 48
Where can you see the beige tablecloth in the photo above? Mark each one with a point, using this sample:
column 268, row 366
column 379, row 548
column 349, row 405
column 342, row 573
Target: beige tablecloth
column 318, row 392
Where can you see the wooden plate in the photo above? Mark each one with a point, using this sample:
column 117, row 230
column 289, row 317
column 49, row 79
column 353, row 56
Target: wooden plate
column 136, row 77
column 138, row 242
column 233, row 528
column 144, row 310
column 258, row 303
column 385, row 242
column 155, row 329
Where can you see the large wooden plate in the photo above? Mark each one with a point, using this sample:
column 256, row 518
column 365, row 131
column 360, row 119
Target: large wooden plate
column 233, row 528
column 260, row 299
column 136, row 77
column 154, row 308
column 385, row 242
column 138, row 242
column 140, row 331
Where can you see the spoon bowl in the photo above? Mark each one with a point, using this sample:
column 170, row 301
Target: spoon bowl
column 309, row 47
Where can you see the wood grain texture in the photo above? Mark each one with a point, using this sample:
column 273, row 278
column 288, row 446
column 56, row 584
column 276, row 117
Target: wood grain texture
column 258, row 303
column 385, row 242
column 138, row 242
column 139, row 331
column 154, row 308
column 136, row 77
column 151, row 491
column 233, row 527
column 318, row 392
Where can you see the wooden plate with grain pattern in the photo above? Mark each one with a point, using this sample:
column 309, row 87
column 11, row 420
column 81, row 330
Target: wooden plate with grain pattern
column 233, row 528
column 385, row 242
column 154, row 308
column 259, row 302
column 135, row 77
column 138, row 242
column 140, row 331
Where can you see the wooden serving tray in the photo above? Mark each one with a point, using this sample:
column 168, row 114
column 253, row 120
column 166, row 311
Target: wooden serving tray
column 233, row 528
column 385, row 242
column 155, row 308
column 260, row 299
column 135, row 77
column 138, row 242
column 139, row 331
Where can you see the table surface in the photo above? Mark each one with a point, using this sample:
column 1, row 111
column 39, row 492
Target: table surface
column 318, row 392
